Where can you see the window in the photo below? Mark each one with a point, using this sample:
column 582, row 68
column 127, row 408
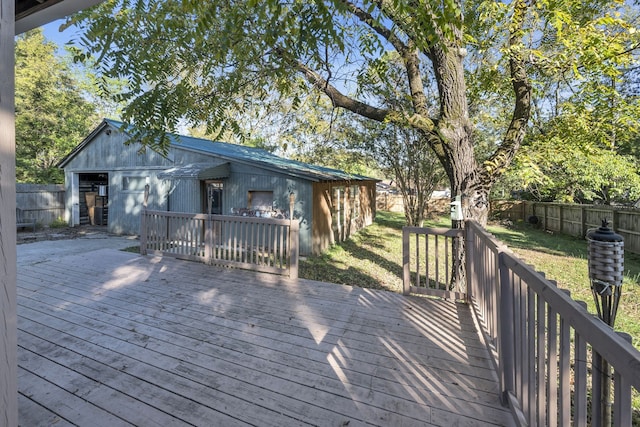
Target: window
column 261, row 200
column 133, row 183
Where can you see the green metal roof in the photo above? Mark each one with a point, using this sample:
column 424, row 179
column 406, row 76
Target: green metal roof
column 256, row 157
column 200, row 171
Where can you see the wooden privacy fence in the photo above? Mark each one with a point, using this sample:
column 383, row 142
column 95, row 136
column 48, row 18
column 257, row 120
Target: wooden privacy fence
column 546, row 347
column 43, row 203
column 259, row 244
column 574, row 219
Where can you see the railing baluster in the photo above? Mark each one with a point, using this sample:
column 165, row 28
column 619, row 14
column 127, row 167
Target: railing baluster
column 531, row 355
column 281, row 248
column 522, row 322
column 447, row 248
column 565, row 373
column 541, row 339
column 270, row 251
column 580, row 381
column 552, row 366
column 252, row 252
column 228, row 245
column 427, row 280
column 418, row 260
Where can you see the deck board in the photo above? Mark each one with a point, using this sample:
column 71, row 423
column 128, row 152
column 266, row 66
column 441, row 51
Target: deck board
column 131, row 340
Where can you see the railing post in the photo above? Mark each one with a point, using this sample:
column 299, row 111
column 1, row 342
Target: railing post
column 622, row 412
column 406, row 285
column 143, row 222
column 469, row 261
column 294, row 238
column 208, row 239
column 506, row 332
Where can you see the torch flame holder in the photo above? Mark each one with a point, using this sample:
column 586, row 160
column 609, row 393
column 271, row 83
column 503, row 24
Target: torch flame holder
column 606, row 271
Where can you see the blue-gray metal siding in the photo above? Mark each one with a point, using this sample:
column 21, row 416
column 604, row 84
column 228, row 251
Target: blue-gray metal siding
column 108, row 153
column 245, row 178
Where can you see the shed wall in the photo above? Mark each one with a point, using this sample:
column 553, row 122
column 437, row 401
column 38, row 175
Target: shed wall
column 333, row 218
column 125, row 205
column 108, row 153
column 184, row 195
column 246, row 178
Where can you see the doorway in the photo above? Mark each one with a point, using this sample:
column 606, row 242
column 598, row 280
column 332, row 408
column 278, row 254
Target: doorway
column 213, row 197
column 93, row 198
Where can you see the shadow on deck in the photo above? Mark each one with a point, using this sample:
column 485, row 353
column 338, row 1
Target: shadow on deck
column 112, row 338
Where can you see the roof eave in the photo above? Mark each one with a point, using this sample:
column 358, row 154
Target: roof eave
column 36, row 14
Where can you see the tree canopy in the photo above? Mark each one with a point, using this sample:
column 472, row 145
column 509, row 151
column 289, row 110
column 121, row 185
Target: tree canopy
column 52, row 116
column 469, row 69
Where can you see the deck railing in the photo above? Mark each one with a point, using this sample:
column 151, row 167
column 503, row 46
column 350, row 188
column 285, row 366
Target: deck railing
column 546, row 348
column 259, row 244
column 430, row 262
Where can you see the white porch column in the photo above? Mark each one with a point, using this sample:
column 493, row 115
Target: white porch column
column 8, row 340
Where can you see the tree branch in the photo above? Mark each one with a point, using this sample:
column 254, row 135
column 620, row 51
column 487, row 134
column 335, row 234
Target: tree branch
column 387, row 7
column 366, row 18
column 338, row 99
column 408, row 54
column 522, row 88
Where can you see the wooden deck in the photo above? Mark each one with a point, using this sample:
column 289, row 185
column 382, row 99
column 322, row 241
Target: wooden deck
column 110, row 338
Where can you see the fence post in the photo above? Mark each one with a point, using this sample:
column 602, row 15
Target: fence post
column 561, row 211
column 506, row 332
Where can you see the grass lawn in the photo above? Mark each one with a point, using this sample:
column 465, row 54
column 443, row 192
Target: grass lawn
column 373, row 259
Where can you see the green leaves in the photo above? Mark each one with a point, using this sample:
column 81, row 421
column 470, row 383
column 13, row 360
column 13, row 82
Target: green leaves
column 52, row 116
column 436, row 65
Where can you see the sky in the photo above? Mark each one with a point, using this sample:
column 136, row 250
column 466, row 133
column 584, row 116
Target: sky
column 52, row 33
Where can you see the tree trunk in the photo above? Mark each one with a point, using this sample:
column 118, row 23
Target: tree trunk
column 452, row 141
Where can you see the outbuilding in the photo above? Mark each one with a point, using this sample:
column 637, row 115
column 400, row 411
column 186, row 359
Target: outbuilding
column 106, row 174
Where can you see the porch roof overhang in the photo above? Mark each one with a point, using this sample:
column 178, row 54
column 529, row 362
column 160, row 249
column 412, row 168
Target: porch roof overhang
column 200, row 171
column 30, row 14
